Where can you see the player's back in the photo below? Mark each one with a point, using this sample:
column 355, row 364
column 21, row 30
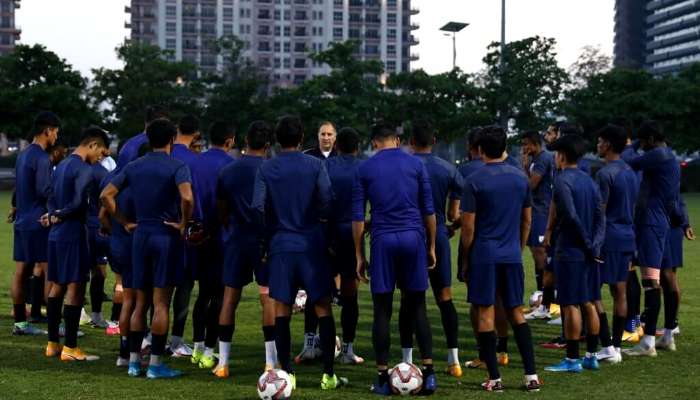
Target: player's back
column 497, row 194
column 341, row 171
column 470, row 167
column 394, row 184
column 619, row 187
column 153, row 181
column 660, row 187
column 33, row 186
column 445, row 181
column 71, row 185
column 130, row 151
column 205, row 170
column 575, row 191
column 543, row 165
column 298, row 193
column 236, row 185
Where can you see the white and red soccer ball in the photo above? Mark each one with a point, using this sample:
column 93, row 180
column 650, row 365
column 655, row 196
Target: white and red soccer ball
column 405, row 379
column 275, row 384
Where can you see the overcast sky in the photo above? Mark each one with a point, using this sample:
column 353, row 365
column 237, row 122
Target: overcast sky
column 85, row 32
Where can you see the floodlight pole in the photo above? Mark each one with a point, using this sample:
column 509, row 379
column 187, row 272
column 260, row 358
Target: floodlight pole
column 502, row 61
column 454, row 50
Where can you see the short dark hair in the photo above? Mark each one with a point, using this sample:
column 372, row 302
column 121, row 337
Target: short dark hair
column 422, row 133
column 258, row 135
column 473, row 137
column 220, row 132
column 492, row 141
column 94, row 134
column 188, row 125
column 348, row 140
column 569, row 128
column 289, row 131
column 615, row 135
column 572, row 146
column 43, row 120
column 383, row 130
column 623, row 123
column 160, row 132
column 155, row 112
column 532, row 137
column 651, row 129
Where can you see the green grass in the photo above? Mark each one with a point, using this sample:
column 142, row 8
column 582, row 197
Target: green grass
column 26, row 374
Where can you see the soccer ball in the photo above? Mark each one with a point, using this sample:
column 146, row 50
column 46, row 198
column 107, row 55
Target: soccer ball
column 338, row 346
column 275, row 384
column 405, row 379
column 535, row 299
column 299, row 302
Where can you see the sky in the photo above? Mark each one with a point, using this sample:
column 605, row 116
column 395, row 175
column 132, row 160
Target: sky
column 86, row 32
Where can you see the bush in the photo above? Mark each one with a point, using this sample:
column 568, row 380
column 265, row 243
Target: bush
column 690, row 178
column 9, row 161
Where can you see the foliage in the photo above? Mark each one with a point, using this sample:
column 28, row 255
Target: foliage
column 33, row 79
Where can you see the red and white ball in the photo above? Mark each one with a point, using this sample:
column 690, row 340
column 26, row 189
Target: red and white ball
column 405, row 379
column 275, row 384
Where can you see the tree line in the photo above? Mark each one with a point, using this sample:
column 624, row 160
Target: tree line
column 532, row 89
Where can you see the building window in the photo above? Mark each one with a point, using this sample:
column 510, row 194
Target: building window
column 391, row 49
column 299, row 79
column 287, row 63
column 228, row 12
column 171, row 11
column 372, row 49
column 355, row 17
column 299, row 47
column 170, row 44
column 338, row 33
column 278, row 46
column 391, row 3
column 338, row 16
column 171, row 27
column 372, row 34
column 264, row 46
column 287, row 31
column 391, row 18
column 299, row 63
column 391, row 33
column 228, row 29
column 300, row 31
column 391, row 66
column 287, row 47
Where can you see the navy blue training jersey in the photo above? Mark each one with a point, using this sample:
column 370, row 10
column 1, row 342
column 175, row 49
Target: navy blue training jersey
column 445, row 181
column 618, row 190
column 397, row 187
column 130, row 150
column 154, row 180
column 657, row 203
column 69, row 200
column 235, row 186
column 469, row 168
column 125, row 205
column 497, row 195
column 33, row 176
column 579, row 216
column 189, row 157
column 542, row 165
column 205, row 171
column 341, row 171
column 98, row 173
column 293, row 194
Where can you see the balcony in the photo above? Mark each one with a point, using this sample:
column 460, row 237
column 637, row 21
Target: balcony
column 414, row 57
column 127, row 25
column 413, row 41
column 127, row 9
column 414, row 26
column 414, row 10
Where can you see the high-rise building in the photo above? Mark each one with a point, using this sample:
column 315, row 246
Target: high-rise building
column 661, row 36
column 278, row 35
column 9, row 33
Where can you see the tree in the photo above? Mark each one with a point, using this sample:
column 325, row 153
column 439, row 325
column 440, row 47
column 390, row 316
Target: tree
column 147, row 78
column 33, row 79
column 590, row 63
column 450, row 100
column 351, row 95
column 239, row 94
column 531, row 85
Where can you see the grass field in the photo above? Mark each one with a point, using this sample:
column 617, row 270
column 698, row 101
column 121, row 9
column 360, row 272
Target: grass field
column 26, row 374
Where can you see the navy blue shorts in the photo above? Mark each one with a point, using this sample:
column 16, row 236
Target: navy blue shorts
column 398, row 259
column 651, row 243
column 441, row 275
column 242, row 260
column 537, row 230
column 69, row 261
column 120, row 254
column 578, row 282
column 31, row 246
column 673, row 251
column 120, row 263
column 342, row 259
column 99, row 247
column 290, row 271
column 487, row 280
column 157, row 260
column 616, row 267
